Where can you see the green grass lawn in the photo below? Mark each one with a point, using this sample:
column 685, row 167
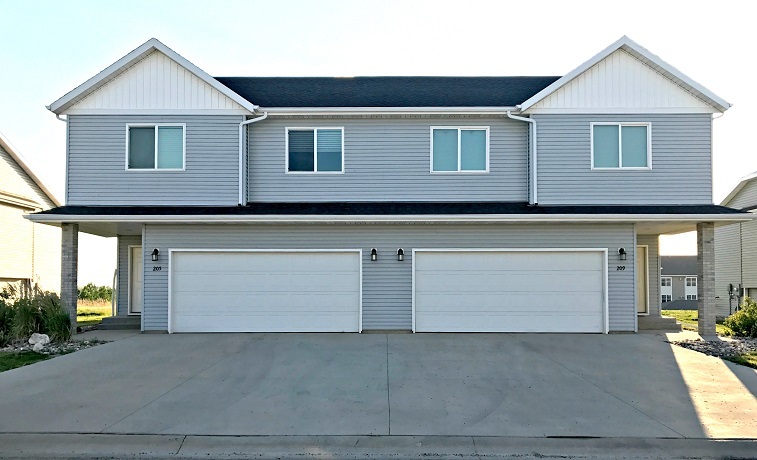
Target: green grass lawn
column 748, row 359
column 688, row 320
column 12, row 360
column 90, row 313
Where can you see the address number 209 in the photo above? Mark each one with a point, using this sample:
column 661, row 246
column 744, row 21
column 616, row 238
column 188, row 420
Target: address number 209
column 621, row 267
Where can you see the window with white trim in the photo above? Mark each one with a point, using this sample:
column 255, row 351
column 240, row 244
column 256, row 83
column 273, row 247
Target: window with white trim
column 155, row 146
column 464, row 149
column 621, row 146
column 666, row 298
column 315, row 150
column 666, row 281
column 691, row 288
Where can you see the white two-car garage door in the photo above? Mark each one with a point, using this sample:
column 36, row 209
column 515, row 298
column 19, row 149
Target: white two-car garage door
column 264, row 291
column 509, row 290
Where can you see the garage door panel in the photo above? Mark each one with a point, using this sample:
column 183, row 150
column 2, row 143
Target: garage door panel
column 512, row 281
column 524, row 260
column 515, row 303
column 255, row 282
column 259, row 291
column 509, row 291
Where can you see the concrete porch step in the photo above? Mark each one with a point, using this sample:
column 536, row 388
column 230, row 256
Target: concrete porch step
column 121, row 323
column 658, row 323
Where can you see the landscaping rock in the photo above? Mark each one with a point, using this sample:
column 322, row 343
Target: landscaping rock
column 52, row 349
column 38, row 347
column 721, row 348
column 36, row 338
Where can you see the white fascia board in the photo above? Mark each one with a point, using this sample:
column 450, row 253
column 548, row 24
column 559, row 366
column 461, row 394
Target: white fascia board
column 459, row 219
column 273, row 111
column 640, row 53
column 180, row 112
column 118, row 67
column 742, row 183
column 8, row 147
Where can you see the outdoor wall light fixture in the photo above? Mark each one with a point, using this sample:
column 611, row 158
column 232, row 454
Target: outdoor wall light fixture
column 374, row 255
column 400, row 254
column 622, row 253
column 155, row 254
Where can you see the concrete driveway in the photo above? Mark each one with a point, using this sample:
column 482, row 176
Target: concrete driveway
column 378, row 384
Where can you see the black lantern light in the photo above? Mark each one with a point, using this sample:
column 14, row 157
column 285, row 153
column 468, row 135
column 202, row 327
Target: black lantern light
column 622, row 253
column 400, row 254
column 374, row 255
column 155, row 254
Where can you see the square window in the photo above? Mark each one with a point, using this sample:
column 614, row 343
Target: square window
column 459, row 149
column 664, row 282
column 315, row 150
column 666, row 298
column 155, row 147
column 620, row 145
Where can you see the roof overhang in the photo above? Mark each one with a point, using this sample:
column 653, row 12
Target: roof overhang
column 647, row 57
column 8, row 147
column 117, row 68
column 352, row 111
column 112, row 225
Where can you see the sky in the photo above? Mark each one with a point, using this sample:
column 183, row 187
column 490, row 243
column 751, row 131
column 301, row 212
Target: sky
column 47, row 48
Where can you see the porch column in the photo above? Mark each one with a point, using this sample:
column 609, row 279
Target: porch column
column 69, row 265
column 706, row 277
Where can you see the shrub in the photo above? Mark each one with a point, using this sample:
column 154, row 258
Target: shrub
column 743, row 323
column 55, row 320
column 6, row 322
column 26, row 318
column 92, row 292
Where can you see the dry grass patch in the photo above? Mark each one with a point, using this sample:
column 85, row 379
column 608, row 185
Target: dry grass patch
column 91, row 312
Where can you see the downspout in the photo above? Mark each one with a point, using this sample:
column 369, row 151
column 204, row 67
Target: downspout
column 242, row 169
column 533, row 198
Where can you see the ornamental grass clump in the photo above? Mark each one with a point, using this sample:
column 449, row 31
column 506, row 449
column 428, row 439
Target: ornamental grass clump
column 6, row 322
column 743, row 323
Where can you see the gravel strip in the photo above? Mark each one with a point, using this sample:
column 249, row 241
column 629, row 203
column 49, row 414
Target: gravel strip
column 54, row 349
column 723, row 348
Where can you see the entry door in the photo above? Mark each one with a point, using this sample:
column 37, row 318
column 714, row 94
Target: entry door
column 642, row 279
column 136, row 275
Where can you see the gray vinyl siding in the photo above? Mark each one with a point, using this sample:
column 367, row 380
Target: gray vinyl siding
column 727, row 265
column 681, row 162
column 97, row 162
column 746, row 197
column 387, row 283
column 388, row 159
column 122, row 299
column 749, row 254
column 653, row 243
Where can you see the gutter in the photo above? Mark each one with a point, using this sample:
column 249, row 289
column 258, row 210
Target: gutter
column 242, row 169
column 533, row 197
column 389, row 218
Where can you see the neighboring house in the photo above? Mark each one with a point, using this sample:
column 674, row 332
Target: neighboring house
column 678, row 282
column 29, row 252
column 736, row 250
column 390, row 203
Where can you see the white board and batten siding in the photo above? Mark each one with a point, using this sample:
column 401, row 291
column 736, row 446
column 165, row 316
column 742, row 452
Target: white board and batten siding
column 621, row 83
column 264, row 291
column 510, row 290
column 156, row 83
column 387, row 282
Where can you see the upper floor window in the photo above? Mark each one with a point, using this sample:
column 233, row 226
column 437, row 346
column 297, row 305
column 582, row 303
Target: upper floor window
column 666, row 281
column 691, row 281
column 315, row 150
column 621, row 146
column 459, row 149
column 155, row 146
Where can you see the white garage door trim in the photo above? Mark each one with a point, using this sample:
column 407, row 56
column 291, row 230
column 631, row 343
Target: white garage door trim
column 359, row 252
column 603, row 251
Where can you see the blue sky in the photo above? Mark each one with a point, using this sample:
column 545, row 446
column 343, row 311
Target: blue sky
column 48, row 48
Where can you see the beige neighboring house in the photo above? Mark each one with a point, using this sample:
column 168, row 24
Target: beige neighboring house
column 736, row 250
column 29, row 252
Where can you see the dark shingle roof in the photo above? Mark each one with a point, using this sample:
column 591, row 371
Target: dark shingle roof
column 386, row 91
column 678, row 265
column 393, row 208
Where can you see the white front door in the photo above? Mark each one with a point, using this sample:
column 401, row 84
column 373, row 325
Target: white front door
column 642, row 280
column 500, row 290
column 265, row 291
column 136, row 275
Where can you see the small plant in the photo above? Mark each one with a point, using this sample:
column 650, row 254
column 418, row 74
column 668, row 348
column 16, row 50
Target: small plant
column 743, row 323
column 6, row 322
